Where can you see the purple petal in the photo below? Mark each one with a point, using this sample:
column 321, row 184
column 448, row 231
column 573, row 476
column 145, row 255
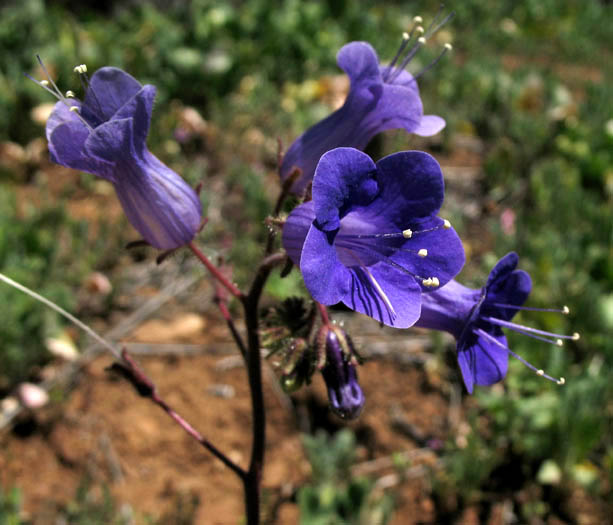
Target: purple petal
column 411, row 187
column 61, row 114
column 295, row 230
column 483, row 362
column 327, row 280
column 67, row 147
column 359, row 60
column 343, row 178
column 429, row 125
column 385, row 294
column 445, row 256
column 397, row 107
column 139, row 108
column 503, row 268
column 448, row 308
column 162, row 207
column 112, row 141
column 109, row 89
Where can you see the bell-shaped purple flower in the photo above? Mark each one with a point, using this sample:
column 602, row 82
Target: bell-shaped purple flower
column 106, row 135
column 476, row 318
column 370, row 238
column 380, row 98
column 340, row 374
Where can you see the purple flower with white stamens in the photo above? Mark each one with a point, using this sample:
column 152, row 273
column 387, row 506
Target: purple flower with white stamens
column 106, row 135
column 380, row 98
column 370, row 238
column 476, row 318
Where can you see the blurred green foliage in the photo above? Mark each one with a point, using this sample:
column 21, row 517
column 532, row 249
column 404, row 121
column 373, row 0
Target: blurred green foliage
column 528, row 81
column 335, row 496
column 10, row 505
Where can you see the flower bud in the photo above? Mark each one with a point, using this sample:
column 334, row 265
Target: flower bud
column 339, row 372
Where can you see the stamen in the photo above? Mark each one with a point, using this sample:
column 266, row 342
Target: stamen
column 423, row 252
column 422, row 40
column 80, row 69
column 56, row 91
column 538, row 371
column 564, row 310
column 407, row 234
column 405, row 40
column 446, row 224
column 530, row 331
column 446, row 48
column 576, row 336
column 69, row 94
column 442, row 23
column 380, row 291
column 418, row 19
column 431, row 282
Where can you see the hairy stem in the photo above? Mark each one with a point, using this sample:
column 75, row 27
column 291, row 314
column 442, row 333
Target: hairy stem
column 221, row 278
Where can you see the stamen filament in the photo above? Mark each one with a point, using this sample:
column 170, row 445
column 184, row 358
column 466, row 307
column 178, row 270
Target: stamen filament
column 521, row 328
column 564, row 310
column 538, row 371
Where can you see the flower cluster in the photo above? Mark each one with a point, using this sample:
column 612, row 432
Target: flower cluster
column 368, row 236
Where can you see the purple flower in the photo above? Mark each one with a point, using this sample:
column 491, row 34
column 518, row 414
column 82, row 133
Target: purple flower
column 476, row 318
column 106, row 135
column 339, row 372
column 380, row 98
column 370, row 237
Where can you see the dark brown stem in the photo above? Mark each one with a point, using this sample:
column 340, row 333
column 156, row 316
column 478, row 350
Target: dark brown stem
column 254, row 366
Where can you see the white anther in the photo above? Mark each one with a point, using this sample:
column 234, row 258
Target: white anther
column 561, row 381
column 423, row 252
column 576, row 336
column 540, row 372
column 405, row 36
column 421, row 40
column 427, row 282
column 408, row 233
column 448, row 46
column 69, row 94
column 435, row 282
column 446, row 224
column 74, row 109
column 559, row 342
column 565, row 310
column 44, row 82
column 80, row 69
column 420, row 30
column 418, row 19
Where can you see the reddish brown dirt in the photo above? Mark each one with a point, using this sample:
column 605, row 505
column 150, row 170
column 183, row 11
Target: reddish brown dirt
column 106, row 431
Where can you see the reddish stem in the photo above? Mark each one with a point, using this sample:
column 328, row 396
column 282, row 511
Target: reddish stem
column 324, row 314
column 231, row 287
